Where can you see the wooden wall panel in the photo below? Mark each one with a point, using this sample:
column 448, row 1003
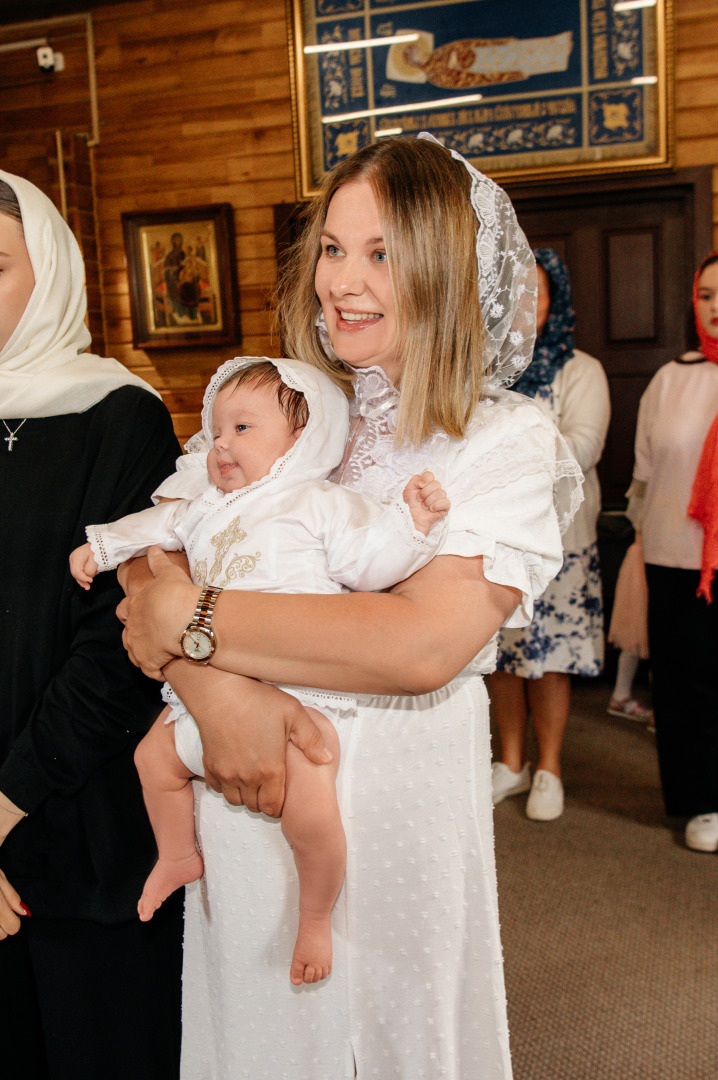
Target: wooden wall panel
column 696, row 88
column 194, row 108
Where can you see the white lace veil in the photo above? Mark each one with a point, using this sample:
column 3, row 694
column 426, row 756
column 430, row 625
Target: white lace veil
column 507, row 278
column 507, row 285
column 507, row 293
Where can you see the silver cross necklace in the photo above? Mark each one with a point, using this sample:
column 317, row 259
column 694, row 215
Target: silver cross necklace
column 11, row 436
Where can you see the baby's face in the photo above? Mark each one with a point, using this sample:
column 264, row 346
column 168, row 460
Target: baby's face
column 250, row 433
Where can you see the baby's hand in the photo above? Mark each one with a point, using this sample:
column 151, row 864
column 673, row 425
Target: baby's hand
column 83, row 566
column 427, row 501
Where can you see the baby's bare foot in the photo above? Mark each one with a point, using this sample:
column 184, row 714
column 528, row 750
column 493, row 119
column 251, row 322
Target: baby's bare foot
column 312, row 959
column 164, row 879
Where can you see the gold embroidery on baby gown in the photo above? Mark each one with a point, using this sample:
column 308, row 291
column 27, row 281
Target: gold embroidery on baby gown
column 239, row 565
column 222, row 542
column 199, row 573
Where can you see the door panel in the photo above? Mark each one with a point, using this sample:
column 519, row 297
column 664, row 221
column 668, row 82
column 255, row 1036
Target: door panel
column 631, row 248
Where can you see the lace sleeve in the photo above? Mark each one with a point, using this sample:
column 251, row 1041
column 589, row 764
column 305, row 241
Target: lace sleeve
column 515, row 487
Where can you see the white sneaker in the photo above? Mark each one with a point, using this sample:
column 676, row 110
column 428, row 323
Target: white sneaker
column 504, row 781
column 702, row 833
column 545, row 803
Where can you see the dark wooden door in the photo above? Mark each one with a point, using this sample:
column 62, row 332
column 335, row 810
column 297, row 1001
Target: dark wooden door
column 631, row 247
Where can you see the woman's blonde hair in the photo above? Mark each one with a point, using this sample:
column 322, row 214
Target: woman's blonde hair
column 429, row 229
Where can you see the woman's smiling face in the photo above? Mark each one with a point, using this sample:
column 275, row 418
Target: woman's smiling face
column 353, row 284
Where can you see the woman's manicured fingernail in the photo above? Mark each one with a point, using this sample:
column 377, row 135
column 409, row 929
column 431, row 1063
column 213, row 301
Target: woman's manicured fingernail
column 25, row 908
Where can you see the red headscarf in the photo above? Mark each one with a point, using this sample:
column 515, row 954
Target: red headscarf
column 709, row 345
column 704, row 496
column 704, row 508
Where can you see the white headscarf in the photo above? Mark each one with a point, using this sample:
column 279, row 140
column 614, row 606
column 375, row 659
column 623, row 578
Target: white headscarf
column 317, row 451
column 44, row 370
column 507, row 277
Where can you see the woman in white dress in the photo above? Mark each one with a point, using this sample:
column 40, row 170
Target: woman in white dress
column 385, row 277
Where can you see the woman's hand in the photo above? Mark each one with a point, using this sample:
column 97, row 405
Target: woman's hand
column 155, row 616
column 10, row 816
column 245, row 726
column 11, row 908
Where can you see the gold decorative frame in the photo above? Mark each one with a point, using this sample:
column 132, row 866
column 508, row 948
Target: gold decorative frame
column 183, row 280
column 608, row 110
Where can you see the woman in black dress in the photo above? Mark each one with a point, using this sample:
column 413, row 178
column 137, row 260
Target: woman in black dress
column 84, row 440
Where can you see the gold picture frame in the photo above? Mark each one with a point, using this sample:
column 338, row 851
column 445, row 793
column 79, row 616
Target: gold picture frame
column 526, row 91
column 182, row 274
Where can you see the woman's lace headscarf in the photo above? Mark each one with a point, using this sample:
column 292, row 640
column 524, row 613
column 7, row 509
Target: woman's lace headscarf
column 554, row 345
column 506, row 278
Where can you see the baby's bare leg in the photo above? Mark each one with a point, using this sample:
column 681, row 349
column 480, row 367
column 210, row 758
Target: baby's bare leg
column 170, row 806
column 313, row 826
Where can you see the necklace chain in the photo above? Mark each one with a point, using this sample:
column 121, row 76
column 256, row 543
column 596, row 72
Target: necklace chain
column 11, row 436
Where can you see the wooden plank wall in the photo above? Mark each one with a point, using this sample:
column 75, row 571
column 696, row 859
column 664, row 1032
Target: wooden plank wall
column 194, row 108
column 696, row 89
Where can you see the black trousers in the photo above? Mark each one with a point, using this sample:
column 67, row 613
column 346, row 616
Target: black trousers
column 85, row 1001
column 683, row 641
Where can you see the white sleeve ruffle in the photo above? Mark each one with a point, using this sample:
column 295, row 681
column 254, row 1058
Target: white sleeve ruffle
column 188, row 481
column 514, row 487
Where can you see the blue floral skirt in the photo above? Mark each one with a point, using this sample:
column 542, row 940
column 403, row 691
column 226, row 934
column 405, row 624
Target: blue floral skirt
column 566, row 633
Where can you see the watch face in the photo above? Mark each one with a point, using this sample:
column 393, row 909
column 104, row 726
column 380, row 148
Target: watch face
column 197, row 645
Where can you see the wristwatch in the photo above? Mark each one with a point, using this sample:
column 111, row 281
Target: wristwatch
column 198, row 641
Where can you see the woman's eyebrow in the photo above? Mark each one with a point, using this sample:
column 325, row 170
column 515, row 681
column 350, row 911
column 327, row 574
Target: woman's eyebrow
column 369, row 242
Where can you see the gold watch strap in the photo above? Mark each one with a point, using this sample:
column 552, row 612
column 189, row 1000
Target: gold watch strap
column 205, row 607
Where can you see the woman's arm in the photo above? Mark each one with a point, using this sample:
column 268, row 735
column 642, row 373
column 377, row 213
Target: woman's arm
column 586, row 411
column 410, row 641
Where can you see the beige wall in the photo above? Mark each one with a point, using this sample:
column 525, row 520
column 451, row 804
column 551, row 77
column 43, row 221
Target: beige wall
column 194, row 108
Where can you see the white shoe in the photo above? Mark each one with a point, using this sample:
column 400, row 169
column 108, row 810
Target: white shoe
column 545, row 803
column 702, row 833
column 504, row 781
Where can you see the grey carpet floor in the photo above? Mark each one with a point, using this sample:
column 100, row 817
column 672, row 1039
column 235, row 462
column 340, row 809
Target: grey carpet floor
column 609, row 924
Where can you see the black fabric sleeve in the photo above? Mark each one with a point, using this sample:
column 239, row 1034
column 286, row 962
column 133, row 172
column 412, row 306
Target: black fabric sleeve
column 96, row 701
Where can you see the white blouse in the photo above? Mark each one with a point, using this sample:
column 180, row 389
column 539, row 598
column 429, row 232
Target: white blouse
column 676, row 411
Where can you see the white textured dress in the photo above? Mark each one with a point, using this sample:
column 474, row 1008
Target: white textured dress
column 417, row 989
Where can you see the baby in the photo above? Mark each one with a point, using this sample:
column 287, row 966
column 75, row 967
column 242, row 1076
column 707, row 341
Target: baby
column 271, row 521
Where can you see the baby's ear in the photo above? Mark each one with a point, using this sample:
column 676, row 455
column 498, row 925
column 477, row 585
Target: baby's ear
column 298, row 431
